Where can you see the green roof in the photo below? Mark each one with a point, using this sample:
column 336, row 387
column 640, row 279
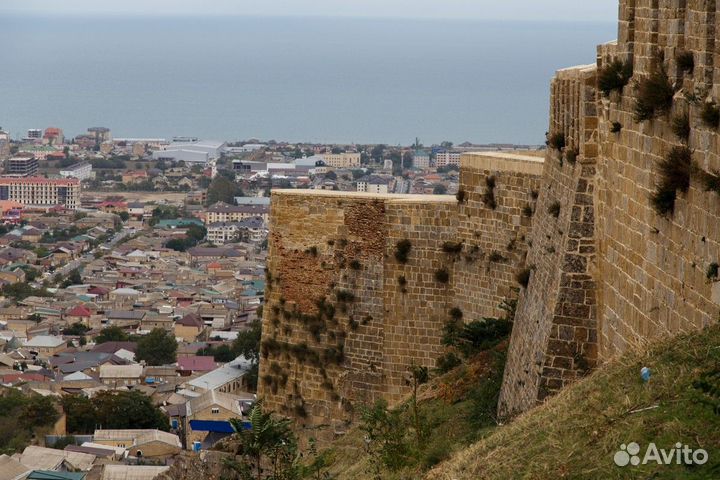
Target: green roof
column 52, row 475
column 179, row 222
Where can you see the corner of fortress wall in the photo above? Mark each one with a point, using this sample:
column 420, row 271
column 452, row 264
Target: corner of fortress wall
column 610, row 272
column 344, row 319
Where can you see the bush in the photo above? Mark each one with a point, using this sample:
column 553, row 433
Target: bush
column 614, row 76
column 489, row 195
column 712, row 271
column 355, row 265
column 654, row 95
column 447, row 362
column 685, row 61
column 495, row 256
column 527, row 210
column 710, row 114
column 442, row 275
column 554, row 209
column 681, row 126
column 461, row 196
column 456, row 313
column 523, row 277
column 452, row 248
column 556, row 141
column 615, row 127
column 402, row 250
column 674, row 171
column 571, row 155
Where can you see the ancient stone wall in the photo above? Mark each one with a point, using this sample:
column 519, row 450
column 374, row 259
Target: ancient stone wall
column 610, row 271
column 346, row 315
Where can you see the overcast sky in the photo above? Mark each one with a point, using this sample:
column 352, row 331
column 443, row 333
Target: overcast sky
column 584, row 10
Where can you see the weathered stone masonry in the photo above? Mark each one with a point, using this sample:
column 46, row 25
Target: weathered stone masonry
column 623, row 274
column 345, row 319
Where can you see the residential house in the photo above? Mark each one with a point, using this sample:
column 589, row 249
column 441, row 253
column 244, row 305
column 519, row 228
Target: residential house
column 45, row 346
column 195, row 364
column 189, row 327
column 208, row 417
column 121, row 375
column 141, row 443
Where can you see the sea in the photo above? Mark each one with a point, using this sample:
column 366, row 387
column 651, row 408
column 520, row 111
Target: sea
column 331, row 80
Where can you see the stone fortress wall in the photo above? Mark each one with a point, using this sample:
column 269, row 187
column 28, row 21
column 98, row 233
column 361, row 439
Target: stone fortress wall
column 345, row 319
column 624, row 274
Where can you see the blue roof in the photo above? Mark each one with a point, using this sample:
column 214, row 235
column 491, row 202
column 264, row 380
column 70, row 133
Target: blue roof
column 220, row 426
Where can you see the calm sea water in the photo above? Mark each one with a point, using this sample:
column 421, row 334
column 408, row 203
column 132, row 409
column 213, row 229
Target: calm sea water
column 297, row 79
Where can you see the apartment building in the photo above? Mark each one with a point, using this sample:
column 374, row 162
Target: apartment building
column 81, row 171
column 224, row 212
column 342, row 160
column 22, row 166
column 443, row 159
column 41, row 192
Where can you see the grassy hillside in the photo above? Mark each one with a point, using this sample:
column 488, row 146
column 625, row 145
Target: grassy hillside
column 575, row 434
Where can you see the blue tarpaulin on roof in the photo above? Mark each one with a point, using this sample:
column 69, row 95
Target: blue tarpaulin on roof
column 214, row 426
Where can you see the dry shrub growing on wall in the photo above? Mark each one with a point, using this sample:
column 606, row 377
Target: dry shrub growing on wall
column 402, row 250
column 654, row 95
column 556, row 141
column 615, row 127
column 674, row 171
column 489, row 195
column 681, row 126
column 710, row 114
column 571, row 155
column 685, row 61
column 614, row 76
column 554, row 209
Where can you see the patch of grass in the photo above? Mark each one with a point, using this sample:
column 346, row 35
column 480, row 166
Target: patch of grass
column 614, row 76
column 554, row 209
column 681, row 126
column 674, row 171
column 654, row 95
column 402, row 250
column 577, row 432
column 685, row 61
column 710, row 114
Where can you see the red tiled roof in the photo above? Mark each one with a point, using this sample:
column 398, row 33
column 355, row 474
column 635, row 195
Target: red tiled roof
column 79, row 311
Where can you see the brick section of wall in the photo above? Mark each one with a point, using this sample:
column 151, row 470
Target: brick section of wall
column 554, row 339
column 340, row 328
column 610, row 272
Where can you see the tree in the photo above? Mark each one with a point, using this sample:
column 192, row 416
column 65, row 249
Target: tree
column 418, row 376
column 157, row 348
column 112, row 334
column 128, row 410
column 222, row 189
column 76, row 329
column 248, row 344
column 124, row 216
column 407, row 161
column 378, row 152
column 73, row 278
column 81, row 414
column 268, row 448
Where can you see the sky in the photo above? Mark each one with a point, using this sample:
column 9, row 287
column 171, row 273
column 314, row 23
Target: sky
column 570, row 10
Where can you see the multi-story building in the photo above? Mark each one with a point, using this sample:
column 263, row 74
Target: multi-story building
column 224, row 212
column 250, row 230
column 341, row 160
column 375, row 184
column 81, row 171
column 443, row 159
column 34, row 134
column 53, row 136
column 41, row 192
column 4, row 143
column 421, row 160
column 22, row 166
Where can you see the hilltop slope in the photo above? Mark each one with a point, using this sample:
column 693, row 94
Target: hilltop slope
column 577, row 433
